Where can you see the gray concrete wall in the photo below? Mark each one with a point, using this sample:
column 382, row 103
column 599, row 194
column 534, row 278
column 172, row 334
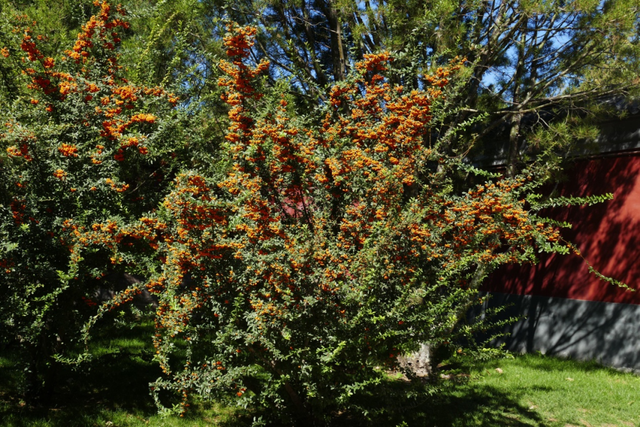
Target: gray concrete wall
column 584, row 330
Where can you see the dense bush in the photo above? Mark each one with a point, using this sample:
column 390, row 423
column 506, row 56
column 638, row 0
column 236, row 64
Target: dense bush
column 80, row 144
column 292, row 270
column 331, row 243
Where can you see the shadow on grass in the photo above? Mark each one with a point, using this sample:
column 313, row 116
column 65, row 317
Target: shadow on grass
column 110, row 389
column 554, row 363
column 115, row 386
column 118, row 384
column 400, row 403
column 115, row 380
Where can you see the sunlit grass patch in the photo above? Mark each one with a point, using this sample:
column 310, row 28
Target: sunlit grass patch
column 563, row 392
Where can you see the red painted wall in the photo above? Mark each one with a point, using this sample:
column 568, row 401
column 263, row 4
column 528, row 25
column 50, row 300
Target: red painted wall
column 607, row 234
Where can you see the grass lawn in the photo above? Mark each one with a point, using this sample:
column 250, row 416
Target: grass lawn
column 530, row 390
column 543, row 391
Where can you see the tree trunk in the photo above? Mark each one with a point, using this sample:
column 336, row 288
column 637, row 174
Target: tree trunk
column 513, row 155
column 337, row 50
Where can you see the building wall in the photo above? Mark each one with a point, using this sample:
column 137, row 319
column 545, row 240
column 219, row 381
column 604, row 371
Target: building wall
column 566, row 309
column 584, row 330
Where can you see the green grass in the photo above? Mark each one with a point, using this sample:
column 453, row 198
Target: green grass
column 539, row 390
column 531, row 390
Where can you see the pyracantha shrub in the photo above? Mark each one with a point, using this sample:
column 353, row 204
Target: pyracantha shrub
column 333, row 242
column 81, row 146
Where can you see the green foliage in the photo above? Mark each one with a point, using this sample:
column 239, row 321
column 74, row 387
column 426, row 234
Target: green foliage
column 333, row 229
column 80, row 144
column 554, row 202
column 293, row 279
